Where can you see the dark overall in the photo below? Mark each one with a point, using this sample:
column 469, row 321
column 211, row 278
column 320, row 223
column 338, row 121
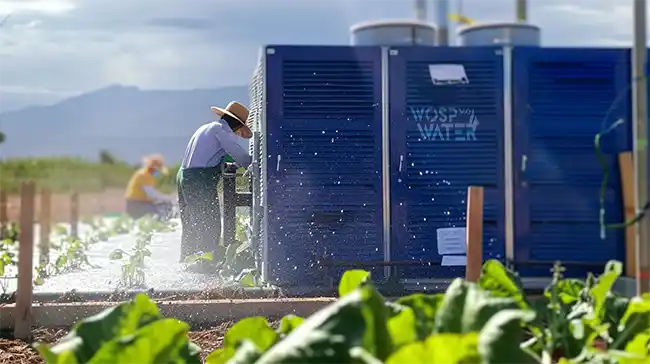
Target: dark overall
column 198, row 202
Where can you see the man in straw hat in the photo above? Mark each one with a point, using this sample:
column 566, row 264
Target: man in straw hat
column 200, row 171
column 141, row 195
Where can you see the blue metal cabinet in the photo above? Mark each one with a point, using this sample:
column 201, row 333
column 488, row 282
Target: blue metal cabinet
column 434, row 156
column 562, row 99
column 323, row 131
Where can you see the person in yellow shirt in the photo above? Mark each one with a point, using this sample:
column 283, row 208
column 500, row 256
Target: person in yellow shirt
column 142, row 197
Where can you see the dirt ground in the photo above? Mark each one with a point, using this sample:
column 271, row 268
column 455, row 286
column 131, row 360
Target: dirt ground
column 90, row 204
column 19, row 352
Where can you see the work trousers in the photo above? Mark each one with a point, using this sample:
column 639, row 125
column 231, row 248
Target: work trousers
column 198, row 202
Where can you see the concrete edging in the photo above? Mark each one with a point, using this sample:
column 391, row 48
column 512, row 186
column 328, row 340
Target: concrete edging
column 193, row 312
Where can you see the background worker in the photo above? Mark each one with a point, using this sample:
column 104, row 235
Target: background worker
column 142, row 197
column 200, row 171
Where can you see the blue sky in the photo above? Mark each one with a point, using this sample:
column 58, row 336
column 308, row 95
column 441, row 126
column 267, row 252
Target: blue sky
column 51, row 49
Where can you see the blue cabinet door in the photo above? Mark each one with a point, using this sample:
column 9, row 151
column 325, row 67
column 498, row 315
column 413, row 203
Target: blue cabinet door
column 446, row 133
column 562, row 99
column 323, row 130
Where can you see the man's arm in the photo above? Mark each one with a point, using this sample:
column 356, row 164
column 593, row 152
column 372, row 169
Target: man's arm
column 232, row 143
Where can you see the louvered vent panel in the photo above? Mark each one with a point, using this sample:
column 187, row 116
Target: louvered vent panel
column 439, row 170
column 571, row 97
column 328, row 89
column 327, row 200
column 255, row 118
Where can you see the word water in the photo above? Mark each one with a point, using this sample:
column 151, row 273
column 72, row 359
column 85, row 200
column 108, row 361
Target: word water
column 445, row 123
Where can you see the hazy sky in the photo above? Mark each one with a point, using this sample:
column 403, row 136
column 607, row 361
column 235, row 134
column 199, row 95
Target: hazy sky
column 62, row 47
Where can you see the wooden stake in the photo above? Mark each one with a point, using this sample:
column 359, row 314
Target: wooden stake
column 45, row 223
column 474, row 231
column 23, row 309
column 4, row 207
column 626, row 170
column 74, row 215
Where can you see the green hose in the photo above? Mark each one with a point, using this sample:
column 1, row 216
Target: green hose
column 603, row 187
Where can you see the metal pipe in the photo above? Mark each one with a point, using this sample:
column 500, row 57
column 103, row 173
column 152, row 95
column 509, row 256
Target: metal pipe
column 385, row 156
column 521, row 10
column 442, row 21
column 640, row 134
column 508, row 153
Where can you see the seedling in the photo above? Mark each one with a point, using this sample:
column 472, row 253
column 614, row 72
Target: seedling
column 133, row 265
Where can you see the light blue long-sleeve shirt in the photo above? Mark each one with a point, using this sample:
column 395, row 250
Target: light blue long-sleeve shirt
column 213, row 141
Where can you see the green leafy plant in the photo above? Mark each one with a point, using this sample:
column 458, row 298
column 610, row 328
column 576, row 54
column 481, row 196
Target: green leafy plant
column 9, row 231
column 133, row 266
column 488, row 322
column 235, row 262
column 70, row 254
column 8, row 262
column 132, row 332
column 133, row 262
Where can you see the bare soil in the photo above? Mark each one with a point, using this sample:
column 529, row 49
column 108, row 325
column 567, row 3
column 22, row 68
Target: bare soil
column 14, row 351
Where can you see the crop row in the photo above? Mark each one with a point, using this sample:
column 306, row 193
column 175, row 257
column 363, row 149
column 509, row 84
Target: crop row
column 491, row 321
column 68, row 253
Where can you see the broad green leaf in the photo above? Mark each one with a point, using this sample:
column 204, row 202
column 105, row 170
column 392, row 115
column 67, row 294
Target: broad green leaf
column 190, row 259
column 247, row 353
column 568, row 290
column 449, row 318
column 615, row 308
column 351, row 280
column 393, row 309
column 163, row 341
column 289, row 323
column 425, row 307
column 247, row 279
column 402, row 328
column 635, row 321
column 328, row 335
column 466, row 308
column 639, row 345
column 90, row 334
column 116, row 254
column 480, row 308
column 603, row 287
column 220, row 356
column 377, row 339
column 256, row 329
column 501, row 282
column 438, row 349
column 499, row 341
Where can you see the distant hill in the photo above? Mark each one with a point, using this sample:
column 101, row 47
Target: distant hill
column 127, row 121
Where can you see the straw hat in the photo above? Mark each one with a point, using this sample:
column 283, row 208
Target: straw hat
column 236, row 115
column 155, row 161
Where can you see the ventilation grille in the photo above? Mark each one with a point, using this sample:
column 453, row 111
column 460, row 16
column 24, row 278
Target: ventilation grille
column 255, row 120
column 324, row 132
column 440, row 168
column 570, row 99
column 328, row 89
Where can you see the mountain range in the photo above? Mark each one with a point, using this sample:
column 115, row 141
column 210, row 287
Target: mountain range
column 126, row 121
